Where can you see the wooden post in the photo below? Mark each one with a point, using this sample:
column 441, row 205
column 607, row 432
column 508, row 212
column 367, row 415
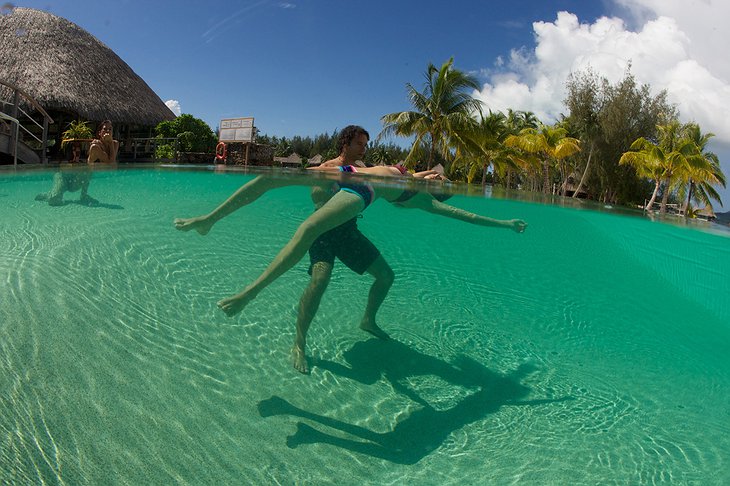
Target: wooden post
column 44, row 150
column 14, row 113
column 245, row 161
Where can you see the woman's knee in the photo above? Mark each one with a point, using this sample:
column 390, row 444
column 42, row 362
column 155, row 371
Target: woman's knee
column 309, row 230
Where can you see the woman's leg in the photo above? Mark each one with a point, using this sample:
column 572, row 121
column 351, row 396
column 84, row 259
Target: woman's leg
column 55, row 197
column 342, row 207
column 246, row 194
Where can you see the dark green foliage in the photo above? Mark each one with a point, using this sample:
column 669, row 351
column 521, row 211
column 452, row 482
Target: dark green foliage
column 608, row 118
column 385, row 154
column 192, row 135
column 325, row 145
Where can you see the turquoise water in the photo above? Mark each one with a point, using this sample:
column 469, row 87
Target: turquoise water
column 592, row 349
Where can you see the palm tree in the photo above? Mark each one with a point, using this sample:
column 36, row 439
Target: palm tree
column 700, row 178
column 484, row 146
column 677, row 161
column 676, row 150
column 379, row 155
column 517, row 121
column 584, row 100
column 648, row 160
column 551, row 143
column 442, row 112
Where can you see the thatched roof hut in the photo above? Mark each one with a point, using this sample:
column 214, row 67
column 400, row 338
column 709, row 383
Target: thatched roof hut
column 294, row 159
column 705, row 213
column 66, row 69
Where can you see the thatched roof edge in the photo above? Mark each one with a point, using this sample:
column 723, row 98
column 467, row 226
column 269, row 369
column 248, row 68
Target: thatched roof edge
column 65, row 68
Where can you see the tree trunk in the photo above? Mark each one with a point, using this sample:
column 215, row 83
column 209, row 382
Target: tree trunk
column 653, row 196
column 509, row 179
column 689, row 197
column 665, row 197
column 431, row 152
column 565, row 175
column 545, row 177
column 484, row 175
column 585, row 173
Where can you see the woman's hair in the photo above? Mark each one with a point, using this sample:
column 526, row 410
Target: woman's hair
column 348, row 134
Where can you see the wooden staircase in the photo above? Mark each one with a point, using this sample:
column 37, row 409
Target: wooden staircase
column 20, row 122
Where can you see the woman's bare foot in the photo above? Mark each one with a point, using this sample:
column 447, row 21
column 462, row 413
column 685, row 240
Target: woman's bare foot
column 518, row 225
column 299, row 359
column 201, row 224
column 234, row 304
column 372, row 328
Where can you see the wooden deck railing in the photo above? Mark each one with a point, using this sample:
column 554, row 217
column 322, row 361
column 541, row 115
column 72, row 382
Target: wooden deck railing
column 22, row 120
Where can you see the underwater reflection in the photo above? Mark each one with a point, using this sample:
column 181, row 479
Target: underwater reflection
column 424, row 430
column 74, row 180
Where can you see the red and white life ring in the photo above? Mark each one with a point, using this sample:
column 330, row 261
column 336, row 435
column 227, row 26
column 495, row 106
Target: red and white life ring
column 221, row 151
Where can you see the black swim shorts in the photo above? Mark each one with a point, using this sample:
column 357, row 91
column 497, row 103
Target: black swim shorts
column 348, row 244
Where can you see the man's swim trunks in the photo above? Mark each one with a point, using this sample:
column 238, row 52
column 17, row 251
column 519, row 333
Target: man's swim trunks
column 348, row 244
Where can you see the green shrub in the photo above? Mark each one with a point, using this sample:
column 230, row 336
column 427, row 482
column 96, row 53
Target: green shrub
column 192, row 134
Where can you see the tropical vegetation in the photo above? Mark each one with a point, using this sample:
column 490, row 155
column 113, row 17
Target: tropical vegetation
column 679, row 162
column 326, row 145
column 443, row 112
column 77, row 130
column 183, row 134
column 618, row 143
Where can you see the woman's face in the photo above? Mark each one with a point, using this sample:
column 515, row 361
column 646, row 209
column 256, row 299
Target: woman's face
column 105, row 129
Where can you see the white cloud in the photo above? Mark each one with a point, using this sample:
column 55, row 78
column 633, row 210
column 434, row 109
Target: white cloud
column 677, row 45
column 703, row 21
column 174, row 106
column 662, row 52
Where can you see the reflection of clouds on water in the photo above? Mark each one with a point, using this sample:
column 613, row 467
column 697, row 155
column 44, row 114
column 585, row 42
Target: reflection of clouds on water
column 71, row 181
column 424, row 430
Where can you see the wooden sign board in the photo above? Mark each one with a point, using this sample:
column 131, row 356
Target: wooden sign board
column 236, row 130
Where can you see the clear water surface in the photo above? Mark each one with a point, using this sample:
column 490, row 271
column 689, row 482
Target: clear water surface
column 592, row 349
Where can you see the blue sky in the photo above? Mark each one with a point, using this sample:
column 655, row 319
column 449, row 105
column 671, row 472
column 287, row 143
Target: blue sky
column 303, row 67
